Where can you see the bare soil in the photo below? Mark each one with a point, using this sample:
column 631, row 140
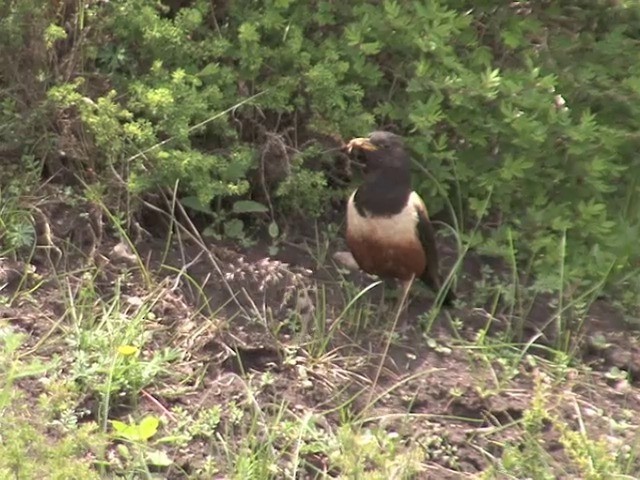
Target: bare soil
column 256, row 310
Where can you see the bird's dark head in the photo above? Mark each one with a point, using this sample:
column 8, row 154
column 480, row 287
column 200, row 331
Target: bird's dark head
column 381, row 151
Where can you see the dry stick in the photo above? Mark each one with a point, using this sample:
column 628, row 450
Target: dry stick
column 183, row 256
column 197, row 238
column 193, row 234
column 405, row 294
column 183, row 270
column 159, row 405
column 198, row 125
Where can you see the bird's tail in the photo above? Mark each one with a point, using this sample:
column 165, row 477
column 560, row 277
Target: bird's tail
column 449, row 297
column 435, row 283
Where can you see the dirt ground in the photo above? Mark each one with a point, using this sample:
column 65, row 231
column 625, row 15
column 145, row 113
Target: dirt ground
column 256, row 314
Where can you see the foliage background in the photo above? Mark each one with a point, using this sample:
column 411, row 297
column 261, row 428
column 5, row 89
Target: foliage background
column 149, row 94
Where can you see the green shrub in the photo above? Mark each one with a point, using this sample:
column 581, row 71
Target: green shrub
column 478, row 87
column 25, row 75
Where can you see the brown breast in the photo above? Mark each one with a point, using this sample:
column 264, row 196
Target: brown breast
column 386, row 246
column 388, row 260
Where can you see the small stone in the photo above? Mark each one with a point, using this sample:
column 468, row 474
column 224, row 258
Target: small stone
column 346, row 259
column 122, row 252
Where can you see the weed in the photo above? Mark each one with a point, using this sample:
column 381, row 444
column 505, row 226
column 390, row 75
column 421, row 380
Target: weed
column 232, row 114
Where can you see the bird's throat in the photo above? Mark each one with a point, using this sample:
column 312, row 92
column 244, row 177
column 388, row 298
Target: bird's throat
column 383, row 193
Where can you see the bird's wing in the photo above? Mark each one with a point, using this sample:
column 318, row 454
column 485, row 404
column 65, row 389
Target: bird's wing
column 427, row 237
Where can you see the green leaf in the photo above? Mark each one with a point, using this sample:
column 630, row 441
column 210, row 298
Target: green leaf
column 158, row 458
column 211, row 232
column 123, row 451
column 249, row 206
column 248, row 33
column 148, row 427
column 371, row 48
column 53, row 33
column 392, row 8
column 210, row 70
column 194, row 203
column 119, row 426
column 234, row 228
column 512, row 39
column 274, row 231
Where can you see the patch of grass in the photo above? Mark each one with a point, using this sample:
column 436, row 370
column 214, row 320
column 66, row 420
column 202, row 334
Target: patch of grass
column 111, row 339
column 118, row 365
column 549, row 444
column 30, row 448
column 17, row 228
column 134, row 377
column 35, row 441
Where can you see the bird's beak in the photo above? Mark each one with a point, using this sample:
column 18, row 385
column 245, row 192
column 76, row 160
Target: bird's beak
column 362, row 144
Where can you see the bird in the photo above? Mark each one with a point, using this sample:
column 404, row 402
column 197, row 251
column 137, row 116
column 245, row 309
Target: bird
column 388, row 230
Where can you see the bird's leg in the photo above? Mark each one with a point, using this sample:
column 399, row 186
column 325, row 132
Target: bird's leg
column 382, row 298
column 405, row 293
column 403, row 302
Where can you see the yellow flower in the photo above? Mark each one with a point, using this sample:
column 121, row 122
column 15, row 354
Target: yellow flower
column 127, row 350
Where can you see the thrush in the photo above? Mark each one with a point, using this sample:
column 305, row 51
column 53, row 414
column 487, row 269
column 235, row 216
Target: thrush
column 389, row 232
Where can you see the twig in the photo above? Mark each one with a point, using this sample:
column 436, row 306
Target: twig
column 403, row 299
